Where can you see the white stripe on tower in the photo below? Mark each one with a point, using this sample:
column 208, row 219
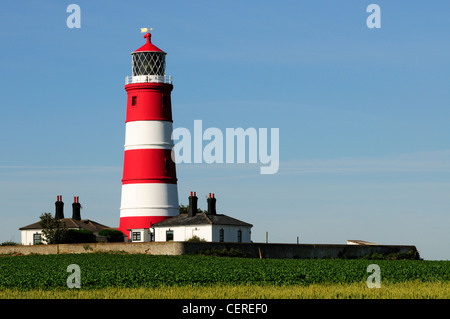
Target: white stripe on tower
column 148, row 134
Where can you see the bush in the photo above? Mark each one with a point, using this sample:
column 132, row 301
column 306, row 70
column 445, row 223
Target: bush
column 196, row 239
column 412, row 254
column 9, row 243
column 77, row 236
column 112, row 235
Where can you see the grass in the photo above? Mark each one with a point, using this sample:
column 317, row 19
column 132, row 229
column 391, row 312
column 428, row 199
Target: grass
column 404, row 290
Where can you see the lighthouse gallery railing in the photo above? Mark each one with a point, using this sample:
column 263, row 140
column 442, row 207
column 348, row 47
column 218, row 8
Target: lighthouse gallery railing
column 148, row 79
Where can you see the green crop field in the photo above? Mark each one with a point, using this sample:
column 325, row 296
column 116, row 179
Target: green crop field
column 215, row 276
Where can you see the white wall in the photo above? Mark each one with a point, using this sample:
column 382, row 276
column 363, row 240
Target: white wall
column 145, row 234
column 27, row 236
column 183, row 233
column 208, row 232
column 231, row 233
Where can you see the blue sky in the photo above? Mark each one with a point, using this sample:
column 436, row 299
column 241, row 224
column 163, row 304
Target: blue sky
column 363, row 113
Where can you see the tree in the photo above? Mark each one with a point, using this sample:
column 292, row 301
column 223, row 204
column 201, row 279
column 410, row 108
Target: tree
column 184, row 210
column 54, row 231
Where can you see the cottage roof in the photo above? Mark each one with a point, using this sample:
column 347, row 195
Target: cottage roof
column 71, row 224
column 202, row 219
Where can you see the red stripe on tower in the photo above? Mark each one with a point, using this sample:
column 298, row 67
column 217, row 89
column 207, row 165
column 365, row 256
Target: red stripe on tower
column 149, row 183
column 148, row 166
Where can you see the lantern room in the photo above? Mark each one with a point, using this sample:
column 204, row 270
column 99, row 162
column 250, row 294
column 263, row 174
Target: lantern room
column 148, row 64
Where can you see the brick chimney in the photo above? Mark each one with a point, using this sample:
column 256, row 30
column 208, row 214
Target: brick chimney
column 211, row 204
column 59, row 207
column 76, row 207
column 192, row 209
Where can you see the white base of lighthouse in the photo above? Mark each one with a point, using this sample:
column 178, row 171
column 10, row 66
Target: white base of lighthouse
column 146, row 204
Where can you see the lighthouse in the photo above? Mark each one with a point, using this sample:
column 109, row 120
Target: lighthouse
column 149, row 183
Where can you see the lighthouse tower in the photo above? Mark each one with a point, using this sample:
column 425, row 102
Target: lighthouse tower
column 149, row 184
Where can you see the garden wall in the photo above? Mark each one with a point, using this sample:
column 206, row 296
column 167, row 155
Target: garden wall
column 256, row 250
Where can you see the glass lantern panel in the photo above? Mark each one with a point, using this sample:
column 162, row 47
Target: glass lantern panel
column 149, row 63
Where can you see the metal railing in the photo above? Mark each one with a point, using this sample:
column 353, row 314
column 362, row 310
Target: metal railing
column 148, row 79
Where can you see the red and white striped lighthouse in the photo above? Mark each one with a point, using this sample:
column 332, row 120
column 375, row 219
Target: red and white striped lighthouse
column 149, row 184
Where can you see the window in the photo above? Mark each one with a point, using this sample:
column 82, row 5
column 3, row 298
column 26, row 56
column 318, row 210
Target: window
column 136, row 236
column 239, row 233
column 221, row 235
column 165, row 100
column 167, row 161
column 36, row 238
column 133, row 100
column 169, row 235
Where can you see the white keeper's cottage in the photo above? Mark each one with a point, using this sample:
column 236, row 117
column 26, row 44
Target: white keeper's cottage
column 209, row 226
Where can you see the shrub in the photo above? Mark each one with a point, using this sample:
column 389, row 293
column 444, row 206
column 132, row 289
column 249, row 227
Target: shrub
column 77, row 236
column 112, row 235
column 411, row 254
column 9, row 243
column 196, row 239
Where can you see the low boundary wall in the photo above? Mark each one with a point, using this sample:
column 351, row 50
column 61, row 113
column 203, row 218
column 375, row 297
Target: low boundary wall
column 256, row 250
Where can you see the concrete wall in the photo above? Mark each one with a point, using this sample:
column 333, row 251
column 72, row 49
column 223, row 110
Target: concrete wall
column 304, row 251
column 153, row 248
